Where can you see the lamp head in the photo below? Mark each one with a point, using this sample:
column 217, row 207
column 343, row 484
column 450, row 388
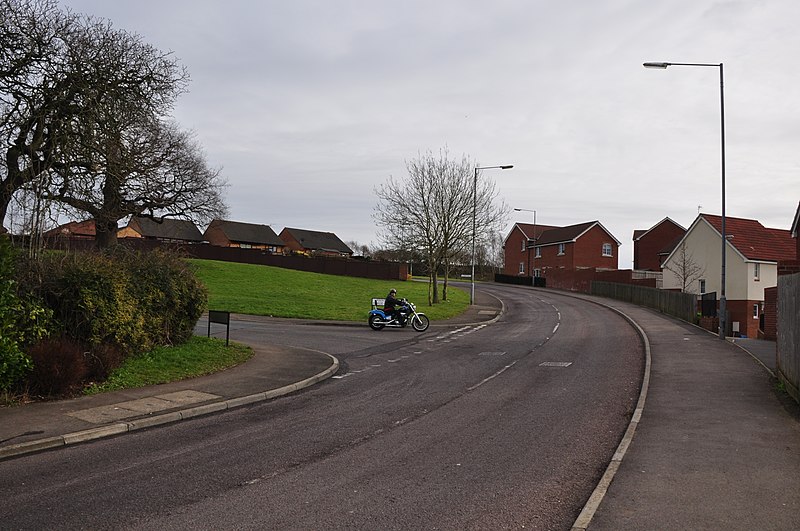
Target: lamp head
column 656, row 65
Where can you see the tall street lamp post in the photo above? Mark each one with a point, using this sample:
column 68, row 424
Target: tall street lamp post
column 723, row 318
column 534, row 238
column 474, row 220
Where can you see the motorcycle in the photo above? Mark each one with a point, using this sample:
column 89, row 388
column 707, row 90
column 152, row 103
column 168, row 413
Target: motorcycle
column 406, row 313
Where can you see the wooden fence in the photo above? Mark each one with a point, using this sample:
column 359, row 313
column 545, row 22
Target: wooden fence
column 788, row 359
column 680, row 305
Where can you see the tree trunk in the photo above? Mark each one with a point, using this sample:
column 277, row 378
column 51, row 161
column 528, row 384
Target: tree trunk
column 105, row 233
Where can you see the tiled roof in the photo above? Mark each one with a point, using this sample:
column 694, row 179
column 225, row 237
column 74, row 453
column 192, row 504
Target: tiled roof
column 318, row 241
column 528, row 230
column 753, row 240
column 564, row 234
column 168, row 229
column 240, row 232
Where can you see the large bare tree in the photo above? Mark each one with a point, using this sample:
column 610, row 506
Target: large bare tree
column 90, row 127
column 431, row 211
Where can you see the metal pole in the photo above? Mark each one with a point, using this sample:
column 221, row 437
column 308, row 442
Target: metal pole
column 723, row 317
column 474, row 208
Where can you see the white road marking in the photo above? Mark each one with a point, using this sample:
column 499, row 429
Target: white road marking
column 495, row 375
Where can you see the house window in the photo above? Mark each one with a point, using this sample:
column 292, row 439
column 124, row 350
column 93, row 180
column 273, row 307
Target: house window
column 523, row 245
column 522, row 268
column 755, row 311
column 245, row 246
column 561, row 247
column 538, row 252
column 756, row 271
column 702, row 285
column 607, row 250
column 537, row 272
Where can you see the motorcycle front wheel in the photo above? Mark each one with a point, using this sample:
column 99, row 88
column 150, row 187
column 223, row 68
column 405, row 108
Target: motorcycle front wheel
column 420, row 322
column 375, row 322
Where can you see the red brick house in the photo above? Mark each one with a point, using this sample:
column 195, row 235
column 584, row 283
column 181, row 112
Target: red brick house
column 314, row 242
column 226, row 233
column 78, row 230
column 168, row 230
column 652, row 246
column 583, row 246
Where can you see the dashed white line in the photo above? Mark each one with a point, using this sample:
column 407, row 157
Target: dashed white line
column 495, row 375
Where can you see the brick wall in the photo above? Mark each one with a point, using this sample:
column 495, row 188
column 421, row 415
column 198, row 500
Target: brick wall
column 646, row 249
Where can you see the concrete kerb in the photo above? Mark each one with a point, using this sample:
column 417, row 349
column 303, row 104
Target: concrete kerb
column 167, row 418
column 593, row 503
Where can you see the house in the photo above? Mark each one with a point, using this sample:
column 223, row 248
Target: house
column 583, row 246
column 77, row 230
column 168, row 230
column 751, row 265
column 314, row 242
column 226, row 233
column 652, row 246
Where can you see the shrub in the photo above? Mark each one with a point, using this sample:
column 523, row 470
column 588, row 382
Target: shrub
column 59, row 366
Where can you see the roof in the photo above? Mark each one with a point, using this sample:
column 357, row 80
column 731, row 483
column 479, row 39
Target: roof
column 570, row 233
column 237, row 231
column 167, row 229
column 637, row 234
column 74, row 228
column 796, row 224
column 753, row 240
column 531, row 231
column 318, row 241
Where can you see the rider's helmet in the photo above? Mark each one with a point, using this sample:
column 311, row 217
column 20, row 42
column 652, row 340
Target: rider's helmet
column 392, row 290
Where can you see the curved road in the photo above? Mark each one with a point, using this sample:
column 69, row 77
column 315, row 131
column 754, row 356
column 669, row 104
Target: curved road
column 498, row 426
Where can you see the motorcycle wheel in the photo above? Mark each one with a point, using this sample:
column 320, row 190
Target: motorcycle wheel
column 375, row 322
column 420, row 322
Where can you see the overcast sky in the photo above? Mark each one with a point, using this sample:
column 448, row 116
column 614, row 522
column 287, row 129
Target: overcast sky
column 308, row 105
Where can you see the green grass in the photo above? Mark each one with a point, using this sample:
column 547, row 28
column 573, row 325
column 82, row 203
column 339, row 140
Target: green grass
column 265, row 290
column 196, row 357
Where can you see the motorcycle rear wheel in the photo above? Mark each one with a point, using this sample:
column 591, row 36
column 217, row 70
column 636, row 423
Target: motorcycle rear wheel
column 376, row 322
column 420, row 322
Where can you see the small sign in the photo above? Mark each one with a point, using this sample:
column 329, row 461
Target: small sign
column 220, row 317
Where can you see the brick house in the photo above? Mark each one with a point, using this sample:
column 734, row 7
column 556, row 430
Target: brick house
column 652, row 246
column 226, row 233
column 583, row 246
column 314, row 242
column 168, row 230
column 751, row 265
column 77, row 230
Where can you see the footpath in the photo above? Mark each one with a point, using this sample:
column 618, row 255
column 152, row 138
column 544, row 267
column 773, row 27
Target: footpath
column 714, row 445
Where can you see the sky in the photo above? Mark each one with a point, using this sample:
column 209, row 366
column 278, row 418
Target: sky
column 309, row 105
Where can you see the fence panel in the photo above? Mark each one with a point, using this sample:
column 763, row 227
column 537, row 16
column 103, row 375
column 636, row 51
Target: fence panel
column 680, row 305
column 788, row 360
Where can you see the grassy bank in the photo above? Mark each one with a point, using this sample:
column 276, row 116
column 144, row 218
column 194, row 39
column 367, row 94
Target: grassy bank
column 264, row 290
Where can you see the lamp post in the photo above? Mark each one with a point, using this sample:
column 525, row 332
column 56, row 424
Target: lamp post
column 474, row 219
column 534, row 238
column 722, row 302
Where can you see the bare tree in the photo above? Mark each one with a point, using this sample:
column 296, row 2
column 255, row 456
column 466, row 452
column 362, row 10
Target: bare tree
column 432, row 211
column 88, row 122
column 685, row 267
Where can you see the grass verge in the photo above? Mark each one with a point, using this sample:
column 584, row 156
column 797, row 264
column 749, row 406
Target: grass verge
column 196, row 357
column 264, row 290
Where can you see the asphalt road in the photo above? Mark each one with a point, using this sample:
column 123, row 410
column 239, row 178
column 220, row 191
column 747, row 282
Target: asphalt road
column 498, row 426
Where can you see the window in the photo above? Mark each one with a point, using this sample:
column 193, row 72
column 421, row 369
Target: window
column 756, row 271
column 702, row 285
column 561, row 247
column 522, row 268
column 607, row 251
column 537, row 272
column 755, row 311
column 538, row 252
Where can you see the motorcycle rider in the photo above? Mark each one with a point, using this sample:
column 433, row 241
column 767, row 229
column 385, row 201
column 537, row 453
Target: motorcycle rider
column 390, row 305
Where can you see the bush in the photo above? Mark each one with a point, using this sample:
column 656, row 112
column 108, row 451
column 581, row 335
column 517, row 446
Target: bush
column 132, row 300
column 22, row 320
column 59, row 366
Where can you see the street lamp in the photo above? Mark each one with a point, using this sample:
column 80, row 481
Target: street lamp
column 474, row 214
column 534, row 237
column 722, row 303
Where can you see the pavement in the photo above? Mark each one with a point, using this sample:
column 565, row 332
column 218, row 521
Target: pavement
column 712, row 443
